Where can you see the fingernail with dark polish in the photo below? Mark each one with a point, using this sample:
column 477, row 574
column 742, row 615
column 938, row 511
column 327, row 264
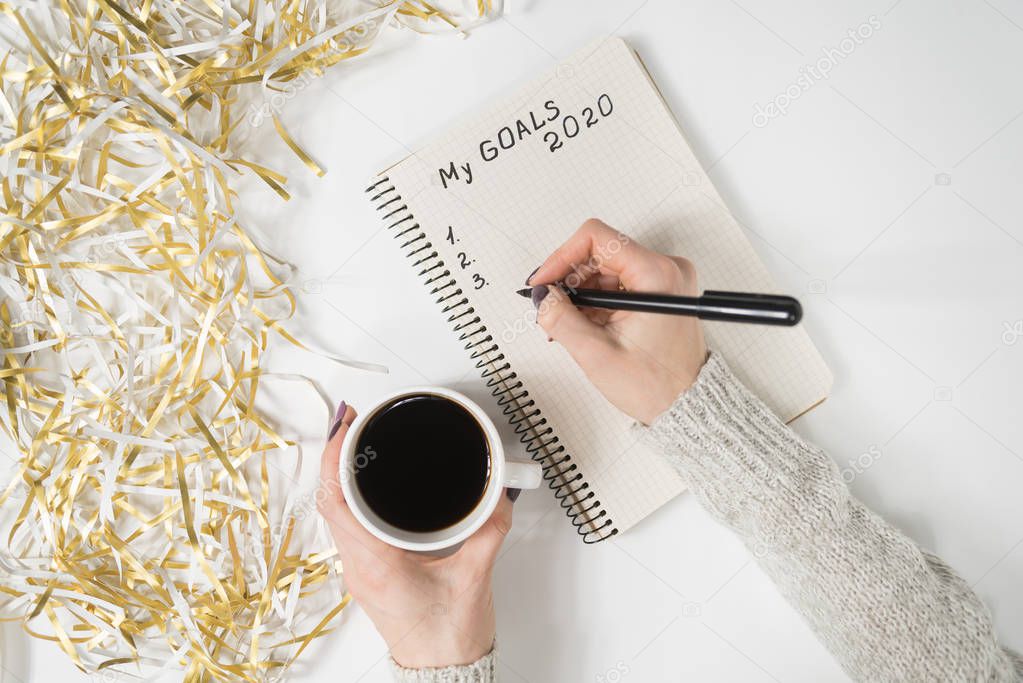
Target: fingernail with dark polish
column 532, row 274
column 342, row 408
column 539, row 293
column 512, row 494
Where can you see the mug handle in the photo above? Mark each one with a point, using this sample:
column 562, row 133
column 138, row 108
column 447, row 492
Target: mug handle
column 522, row 475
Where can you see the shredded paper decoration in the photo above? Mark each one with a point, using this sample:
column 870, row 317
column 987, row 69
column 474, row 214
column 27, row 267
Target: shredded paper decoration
column 143, row 533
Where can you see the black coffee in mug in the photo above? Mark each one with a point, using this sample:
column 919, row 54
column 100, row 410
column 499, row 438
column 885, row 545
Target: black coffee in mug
column 422, row 462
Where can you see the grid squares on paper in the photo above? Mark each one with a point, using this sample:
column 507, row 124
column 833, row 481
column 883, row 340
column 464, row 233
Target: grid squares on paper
column 633, row 169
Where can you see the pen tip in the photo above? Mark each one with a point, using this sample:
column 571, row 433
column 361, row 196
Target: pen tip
column 527, row 292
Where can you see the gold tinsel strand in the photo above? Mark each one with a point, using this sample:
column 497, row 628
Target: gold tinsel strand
column 142, row 531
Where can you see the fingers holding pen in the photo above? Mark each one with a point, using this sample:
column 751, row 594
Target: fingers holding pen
column 597, row 248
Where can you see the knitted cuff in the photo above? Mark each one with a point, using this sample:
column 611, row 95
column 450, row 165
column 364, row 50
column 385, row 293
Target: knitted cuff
column 483, row 670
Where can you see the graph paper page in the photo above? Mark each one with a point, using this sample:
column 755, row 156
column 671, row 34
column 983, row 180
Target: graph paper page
column 593, row 138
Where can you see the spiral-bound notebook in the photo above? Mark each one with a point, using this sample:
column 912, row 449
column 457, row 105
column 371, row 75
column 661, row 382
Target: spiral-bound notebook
column 478, row 209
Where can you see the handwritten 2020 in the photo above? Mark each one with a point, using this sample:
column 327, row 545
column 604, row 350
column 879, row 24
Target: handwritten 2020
column 559, row 130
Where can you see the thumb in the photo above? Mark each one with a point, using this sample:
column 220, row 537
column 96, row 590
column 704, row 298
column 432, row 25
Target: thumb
column 587, row 342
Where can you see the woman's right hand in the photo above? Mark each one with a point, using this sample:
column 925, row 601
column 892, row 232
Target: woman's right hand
column 641, row 362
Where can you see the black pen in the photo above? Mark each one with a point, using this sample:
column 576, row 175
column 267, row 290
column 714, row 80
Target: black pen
column 741, row 307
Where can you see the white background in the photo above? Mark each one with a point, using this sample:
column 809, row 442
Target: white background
column 888, row 198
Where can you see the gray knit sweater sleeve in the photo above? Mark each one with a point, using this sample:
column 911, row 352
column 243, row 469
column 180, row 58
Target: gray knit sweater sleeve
column 887, row 610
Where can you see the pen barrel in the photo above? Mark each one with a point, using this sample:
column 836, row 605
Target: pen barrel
column 761, row 309
column 635, row 301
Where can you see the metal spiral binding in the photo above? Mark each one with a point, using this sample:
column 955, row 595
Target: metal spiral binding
column 589, row 518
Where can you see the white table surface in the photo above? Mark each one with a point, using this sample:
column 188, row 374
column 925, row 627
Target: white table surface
column 888, row 198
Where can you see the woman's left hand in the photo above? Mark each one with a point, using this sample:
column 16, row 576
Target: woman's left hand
column 431, row 611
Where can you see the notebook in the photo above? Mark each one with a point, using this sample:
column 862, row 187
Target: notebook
column 479, row 208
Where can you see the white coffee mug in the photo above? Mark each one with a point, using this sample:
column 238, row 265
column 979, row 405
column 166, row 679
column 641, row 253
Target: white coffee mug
column 503, row 473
